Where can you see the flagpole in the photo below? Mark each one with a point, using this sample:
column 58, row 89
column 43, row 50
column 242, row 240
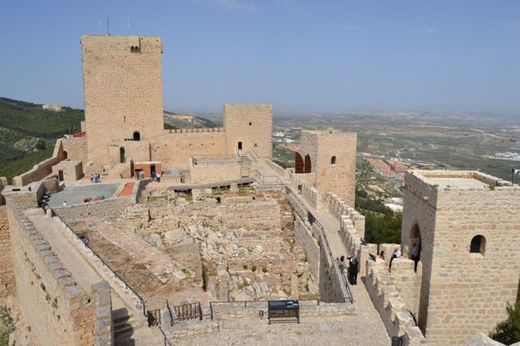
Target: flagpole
column 512, row 176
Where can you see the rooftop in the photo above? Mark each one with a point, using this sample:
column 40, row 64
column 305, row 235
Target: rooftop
column 460, row 179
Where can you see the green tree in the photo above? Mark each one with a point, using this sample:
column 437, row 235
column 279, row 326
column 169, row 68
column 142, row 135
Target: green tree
column 508, row 331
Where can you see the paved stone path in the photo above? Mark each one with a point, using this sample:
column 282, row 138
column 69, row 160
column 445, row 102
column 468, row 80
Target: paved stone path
column 84, row 274
column 367, row 325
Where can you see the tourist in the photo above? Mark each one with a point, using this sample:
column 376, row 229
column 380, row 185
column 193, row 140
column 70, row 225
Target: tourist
column 415, row 256
column 341, row 264
column 382, row 255
column 158, row 176
column 396, row 254
column 64, row 203
column 353, row 270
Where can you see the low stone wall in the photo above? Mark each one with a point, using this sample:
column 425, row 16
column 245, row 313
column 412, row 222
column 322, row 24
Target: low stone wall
column 103, row 303
column 109, row 210
column 131, row 299
column 42, row 169
column 390, row 305
column 7, row 286
column 58, row 311
column 314, row 308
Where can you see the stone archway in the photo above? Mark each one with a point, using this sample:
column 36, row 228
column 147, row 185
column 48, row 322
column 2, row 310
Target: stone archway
column 298, row 163
column 308, row 164
column 415, row 244
column 415, row 238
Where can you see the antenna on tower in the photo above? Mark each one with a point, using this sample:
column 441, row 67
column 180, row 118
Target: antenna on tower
column 108, row 26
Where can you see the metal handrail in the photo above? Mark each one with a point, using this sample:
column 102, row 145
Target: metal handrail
column 106, row 264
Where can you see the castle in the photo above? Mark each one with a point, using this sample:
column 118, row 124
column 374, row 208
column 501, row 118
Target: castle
column 464, row 223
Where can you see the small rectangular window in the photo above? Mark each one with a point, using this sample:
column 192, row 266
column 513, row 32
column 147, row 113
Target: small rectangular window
column 239, row 145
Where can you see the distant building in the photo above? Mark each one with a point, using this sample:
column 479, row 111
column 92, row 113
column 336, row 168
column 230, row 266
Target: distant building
column 53, row 107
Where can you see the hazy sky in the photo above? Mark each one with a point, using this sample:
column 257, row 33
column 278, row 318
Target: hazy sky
column 319, row 55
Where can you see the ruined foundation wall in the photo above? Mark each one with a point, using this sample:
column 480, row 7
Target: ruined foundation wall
column 304, row 238
column 242, row 212
column 58, row 311
column 7, row 286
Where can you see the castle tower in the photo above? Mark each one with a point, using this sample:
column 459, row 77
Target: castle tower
column 249, row 127
column 330, row 157
column 123, row 96
column 467, row 226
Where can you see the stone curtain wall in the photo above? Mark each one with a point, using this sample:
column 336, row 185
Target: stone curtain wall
column 176, row 149
column 58, row 311
column 303, row 237
column 122, row 91
column 215, row 172
column 390, row 305
column 250, row 124
column 42, row 169
column 7, row 286
column 76, row 148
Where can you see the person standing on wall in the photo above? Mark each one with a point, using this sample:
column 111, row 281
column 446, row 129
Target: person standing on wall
column 415, row 256
column 353, row 270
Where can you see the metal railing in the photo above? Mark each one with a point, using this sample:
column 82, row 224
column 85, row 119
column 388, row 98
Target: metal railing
column 297, row 204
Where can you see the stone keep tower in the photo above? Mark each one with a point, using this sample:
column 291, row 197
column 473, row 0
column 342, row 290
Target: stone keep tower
column 467, row 225
column 331, row 158
column 123, row 95
column 249, row 127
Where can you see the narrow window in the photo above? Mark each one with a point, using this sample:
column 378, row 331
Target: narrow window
column 122, row 156
column 239, row 145
column 333, row 160
column 137, row 136
column 250, row 124
column 478, row 245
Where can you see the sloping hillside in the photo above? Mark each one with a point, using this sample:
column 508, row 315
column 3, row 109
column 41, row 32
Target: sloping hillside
column 28, row 133
column 184, row 121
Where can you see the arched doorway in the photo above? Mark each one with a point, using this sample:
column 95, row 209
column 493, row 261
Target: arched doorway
column 122, row 155
column 415, row 244
column 298, row 163
column 308, row 165
column 137, row 136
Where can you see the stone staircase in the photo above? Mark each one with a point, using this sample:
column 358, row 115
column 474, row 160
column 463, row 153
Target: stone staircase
column 124, row 325
column 44, row 202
